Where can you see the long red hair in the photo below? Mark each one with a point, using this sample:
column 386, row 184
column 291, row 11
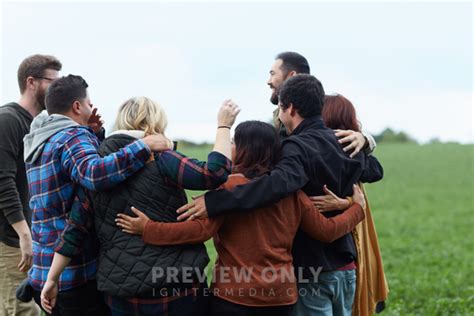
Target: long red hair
column 339, row 113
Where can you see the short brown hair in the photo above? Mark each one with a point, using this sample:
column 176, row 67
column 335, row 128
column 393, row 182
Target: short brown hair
column 34, row 66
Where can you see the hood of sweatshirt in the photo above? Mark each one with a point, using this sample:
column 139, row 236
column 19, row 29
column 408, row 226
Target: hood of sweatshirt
column 42, row 128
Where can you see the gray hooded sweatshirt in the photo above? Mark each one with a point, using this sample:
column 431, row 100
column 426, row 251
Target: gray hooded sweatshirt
column 42, row 128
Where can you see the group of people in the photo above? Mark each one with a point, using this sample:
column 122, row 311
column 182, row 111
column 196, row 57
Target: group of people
column 101, row 225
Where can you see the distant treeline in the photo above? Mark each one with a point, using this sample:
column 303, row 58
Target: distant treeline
column 388, row 135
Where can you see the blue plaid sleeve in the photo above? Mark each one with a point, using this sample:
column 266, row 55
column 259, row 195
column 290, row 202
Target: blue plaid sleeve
column 79, row 224
column 82, row 162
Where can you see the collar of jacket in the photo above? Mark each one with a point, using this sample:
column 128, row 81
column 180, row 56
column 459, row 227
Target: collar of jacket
column 314, row 121
column 132, row 133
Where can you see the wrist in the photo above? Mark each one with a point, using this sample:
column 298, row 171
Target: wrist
column 148, row 143
column 223, row 126
column 370, row 143
column 361, row 206
column 52, row 278
column 145, row 141
column 366, row 143
column 348, row 201
column 24, row 235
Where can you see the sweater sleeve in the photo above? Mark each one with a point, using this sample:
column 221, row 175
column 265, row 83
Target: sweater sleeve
column 189, row 232
column 371, row 144
column 373, row 170
column 10, row 142
column 325, row 229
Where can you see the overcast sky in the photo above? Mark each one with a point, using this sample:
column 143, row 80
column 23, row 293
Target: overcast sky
column 403, row 65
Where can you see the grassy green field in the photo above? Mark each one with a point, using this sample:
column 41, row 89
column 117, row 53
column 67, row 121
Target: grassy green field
column 423, row 211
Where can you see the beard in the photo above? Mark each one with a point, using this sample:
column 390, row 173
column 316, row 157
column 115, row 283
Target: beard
column 274, row 98
column 40, row 96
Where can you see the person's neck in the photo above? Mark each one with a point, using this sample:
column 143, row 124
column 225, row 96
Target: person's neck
column 75, row 118
column 31, row 105
column 294, row 124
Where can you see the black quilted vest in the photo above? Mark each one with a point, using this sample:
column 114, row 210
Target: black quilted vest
column 125, row 262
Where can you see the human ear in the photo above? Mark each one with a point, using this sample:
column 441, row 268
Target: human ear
column 291, row 74
column 291, row 109
column 76, row 107
column 30, row 83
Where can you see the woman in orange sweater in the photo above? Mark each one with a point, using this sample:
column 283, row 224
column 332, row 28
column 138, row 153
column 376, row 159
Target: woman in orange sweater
column 253, row 274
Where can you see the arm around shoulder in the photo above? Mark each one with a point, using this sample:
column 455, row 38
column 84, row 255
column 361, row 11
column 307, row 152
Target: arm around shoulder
column 82, row 162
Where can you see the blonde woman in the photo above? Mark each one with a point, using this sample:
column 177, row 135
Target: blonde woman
column 134, row 276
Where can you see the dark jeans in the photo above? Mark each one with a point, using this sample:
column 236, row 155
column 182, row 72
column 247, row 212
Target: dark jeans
column 83, row 300
column 223, row 307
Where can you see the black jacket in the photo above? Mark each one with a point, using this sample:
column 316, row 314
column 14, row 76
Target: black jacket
column 126, row 263
column 311, row 157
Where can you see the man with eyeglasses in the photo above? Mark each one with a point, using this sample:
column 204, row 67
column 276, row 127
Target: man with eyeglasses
column 35, row 74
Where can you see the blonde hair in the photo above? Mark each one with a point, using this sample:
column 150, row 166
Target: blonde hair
column 142, row 114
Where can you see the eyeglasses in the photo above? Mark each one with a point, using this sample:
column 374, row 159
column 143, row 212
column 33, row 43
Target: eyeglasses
column 45, row 78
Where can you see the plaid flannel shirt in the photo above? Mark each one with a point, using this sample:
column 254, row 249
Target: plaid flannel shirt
column 70, row 160
column 192, row 174
column 185, row 172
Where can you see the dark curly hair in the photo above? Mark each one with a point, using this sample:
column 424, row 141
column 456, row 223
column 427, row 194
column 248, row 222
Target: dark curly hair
column 305, row 93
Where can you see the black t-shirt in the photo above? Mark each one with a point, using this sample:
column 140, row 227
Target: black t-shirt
column 14, row 199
